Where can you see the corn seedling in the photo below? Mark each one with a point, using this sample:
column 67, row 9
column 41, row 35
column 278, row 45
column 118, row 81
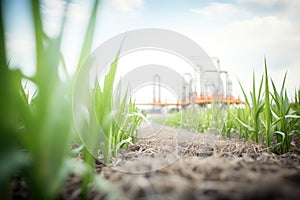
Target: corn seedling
column 253, row 110
column 267, row 109
column 285, row 120
column 118, row 120
column 193, row 118
column 12, row 159
column 129, row 120
column 242, row 116
column 296, row 108
column 204, row 119
column 44, row 125
column 229, row 122
column 276, row 119
column 174, row 119
column 35, row 136
column 218, row 114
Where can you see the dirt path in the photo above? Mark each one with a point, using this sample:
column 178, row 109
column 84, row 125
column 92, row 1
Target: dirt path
column 177, row 164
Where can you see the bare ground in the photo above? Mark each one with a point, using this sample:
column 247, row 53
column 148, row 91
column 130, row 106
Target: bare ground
column 178, row 164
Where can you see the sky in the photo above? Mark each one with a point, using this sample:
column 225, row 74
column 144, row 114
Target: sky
column 240, row 33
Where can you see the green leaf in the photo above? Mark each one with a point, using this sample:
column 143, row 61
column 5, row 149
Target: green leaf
column 249, row 128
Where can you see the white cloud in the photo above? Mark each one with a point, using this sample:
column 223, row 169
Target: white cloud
column 271, row 2
column 284, row 8
column 219, row 9
column 276, row 37
column 248, row 41
column 127, row 5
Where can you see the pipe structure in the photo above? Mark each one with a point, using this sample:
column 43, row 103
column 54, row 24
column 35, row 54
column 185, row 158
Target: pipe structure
column 201, row 79
column 218, row 62
column 188, row 87
column 216, row 87
column 156, row 83
column 228, row 84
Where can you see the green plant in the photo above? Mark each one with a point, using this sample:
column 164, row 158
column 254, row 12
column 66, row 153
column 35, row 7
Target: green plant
column 241, row 114
column 118, row 120
column 193, row 118
column 12, row 159
column 43, row 127
column 229, row 125
column 218, row 115
column 285, row 120
column 204, row 119
column 296, row 107
column 103, row 107
column 173, row 119
column 254, row 108
column 35, row 136
column 128, row 119
column 276, row 119
column 267, row 109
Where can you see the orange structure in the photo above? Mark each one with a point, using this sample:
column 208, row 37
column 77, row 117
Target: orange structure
column 198, row 100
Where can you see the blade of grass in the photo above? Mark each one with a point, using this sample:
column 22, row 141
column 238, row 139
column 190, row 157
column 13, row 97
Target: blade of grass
column 104, row 109
column 268, row 119
column 89, row 35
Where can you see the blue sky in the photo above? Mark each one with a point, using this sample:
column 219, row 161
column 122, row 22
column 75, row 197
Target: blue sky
column 238, row 32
